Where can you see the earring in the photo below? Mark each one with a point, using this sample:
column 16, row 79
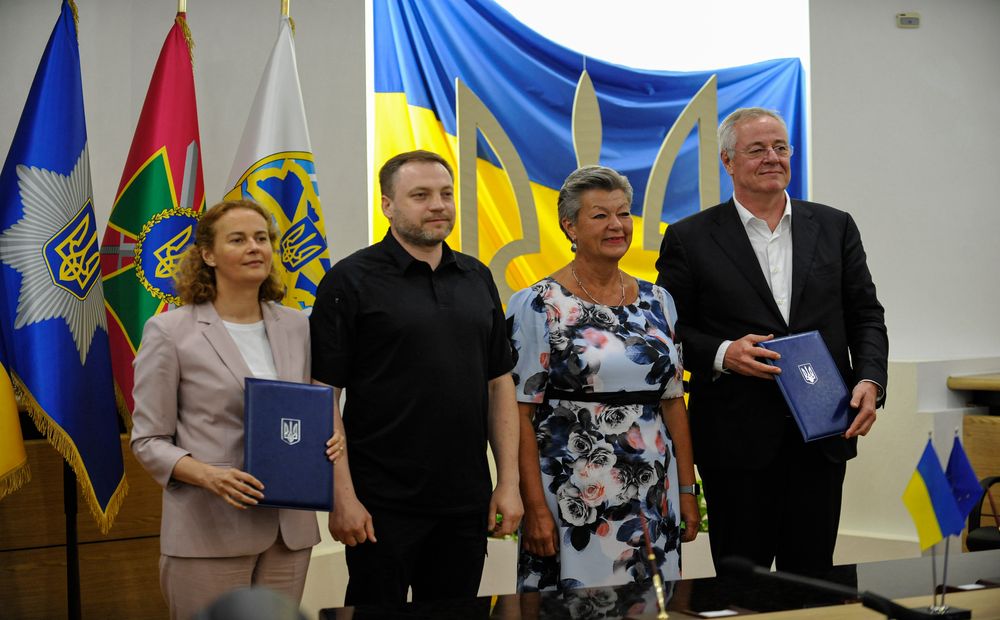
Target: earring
column 572, row 246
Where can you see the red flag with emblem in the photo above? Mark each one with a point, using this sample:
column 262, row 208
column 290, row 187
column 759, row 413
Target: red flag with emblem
column 159, row 198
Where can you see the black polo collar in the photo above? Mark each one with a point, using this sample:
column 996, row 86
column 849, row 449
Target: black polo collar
column 404, row 260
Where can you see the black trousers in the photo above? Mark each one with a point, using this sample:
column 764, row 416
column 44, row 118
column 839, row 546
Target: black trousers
column 440, row 557
column 787, row 512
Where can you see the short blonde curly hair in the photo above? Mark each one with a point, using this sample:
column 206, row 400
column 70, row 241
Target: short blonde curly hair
column 195, row 280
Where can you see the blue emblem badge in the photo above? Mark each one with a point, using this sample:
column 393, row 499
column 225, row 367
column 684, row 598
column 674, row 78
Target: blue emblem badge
column 73, row 256
column 159, row 249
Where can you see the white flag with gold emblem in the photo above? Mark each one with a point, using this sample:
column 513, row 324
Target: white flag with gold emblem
column 274, row 167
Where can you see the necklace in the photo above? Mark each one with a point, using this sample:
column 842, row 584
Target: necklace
column 621, row 281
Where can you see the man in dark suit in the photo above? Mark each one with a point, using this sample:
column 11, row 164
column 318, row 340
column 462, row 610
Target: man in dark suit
column 759, row 266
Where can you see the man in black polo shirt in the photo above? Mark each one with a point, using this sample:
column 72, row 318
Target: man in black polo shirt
column 415, row 333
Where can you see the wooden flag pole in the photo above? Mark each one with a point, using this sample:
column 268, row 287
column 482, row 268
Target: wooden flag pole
column 74, row 610
column 182, row 6
column 284, row 8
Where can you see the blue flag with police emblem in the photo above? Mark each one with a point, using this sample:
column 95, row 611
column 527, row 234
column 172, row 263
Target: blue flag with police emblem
column 52, row 306
column 274, row 167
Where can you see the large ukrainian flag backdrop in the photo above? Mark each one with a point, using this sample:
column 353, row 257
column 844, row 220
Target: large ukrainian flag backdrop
column 529, row 84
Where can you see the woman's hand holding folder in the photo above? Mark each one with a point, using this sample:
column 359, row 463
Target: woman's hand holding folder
column 238, row 488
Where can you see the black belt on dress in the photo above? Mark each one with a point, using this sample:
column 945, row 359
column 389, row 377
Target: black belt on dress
column 642, row 397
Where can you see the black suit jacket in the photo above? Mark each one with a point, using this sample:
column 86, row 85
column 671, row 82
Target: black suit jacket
column 709, row 267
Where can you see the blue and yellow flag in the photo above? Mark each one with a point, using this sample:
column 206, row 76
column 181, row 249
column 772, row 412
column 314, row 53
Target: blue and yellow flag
column 52, row 316
column 517, row 113
column 274, row 166
column 929, row 499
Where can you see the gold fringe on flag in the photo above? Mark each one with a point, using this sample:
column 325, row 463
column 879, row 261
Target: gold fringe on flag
column 182, row 22
column 123, row 411
column 15, row 479
column 291, row 22
column 64, row 445
column 76, row 16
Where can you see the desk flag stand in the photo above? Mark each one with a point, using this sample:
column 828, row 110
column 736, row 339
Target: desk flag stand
column 939, row 502
column 942, row 610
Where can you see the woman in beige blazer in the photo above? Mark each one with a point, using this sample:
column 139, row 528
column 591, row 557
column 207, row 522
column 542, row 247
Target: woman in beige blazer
column 188, row 421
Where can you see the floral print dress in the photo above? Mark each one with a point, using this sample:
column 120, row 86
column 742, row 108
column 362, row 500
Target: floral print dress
column 597, row 374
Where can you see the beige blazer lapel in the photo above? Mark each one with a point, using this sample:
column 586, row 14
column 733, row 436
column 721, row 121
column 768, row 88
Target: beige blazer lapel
column 279, row 338
column 218, row 337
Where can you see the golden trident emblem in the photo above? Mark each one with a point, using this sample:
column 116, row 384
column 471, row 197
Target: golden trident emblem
column 79, row 260
column 168, row 255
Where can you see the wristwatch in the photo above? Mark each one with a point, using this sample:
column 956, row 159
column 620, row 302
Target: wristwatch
column 690, row 489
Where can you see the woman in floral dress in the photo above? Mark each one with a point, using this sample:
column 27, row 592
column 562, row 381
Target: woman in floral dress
column 605, row 444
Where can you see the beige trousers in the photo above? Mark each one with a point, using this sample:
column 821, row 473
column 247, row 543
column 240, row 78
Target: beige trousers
column 191, row 584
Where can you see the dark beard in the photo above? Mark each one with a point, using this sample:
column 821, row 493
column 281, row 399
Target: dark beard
column 417, row 236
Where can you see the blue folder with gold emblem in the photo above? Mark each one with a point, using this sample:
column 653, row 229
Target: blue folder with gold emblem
column 811, row 384
column 286, row 426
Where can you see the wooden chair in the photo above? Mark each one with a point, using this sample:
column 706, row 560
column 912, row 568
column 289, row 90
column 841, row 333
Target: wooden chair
column 983, row 534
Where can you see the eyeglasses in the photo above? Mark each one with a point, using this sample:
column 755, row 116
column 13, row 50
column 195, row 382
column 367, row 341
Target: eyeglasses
column 781, row 151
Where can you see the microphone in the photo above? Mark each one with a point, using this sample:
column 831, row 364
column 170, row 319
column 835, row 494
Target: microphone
column 736, row 565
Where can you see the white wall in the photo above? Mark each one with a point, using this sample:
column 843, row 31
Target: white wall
column 905, row 126
column 119, row 44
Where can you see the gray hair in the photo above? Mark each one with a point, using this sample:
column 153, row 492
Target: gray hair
column 587, row 178
column 727, row 130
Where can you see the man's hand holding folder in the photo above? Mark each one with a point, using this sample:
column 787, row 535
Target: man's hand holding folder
column 744, row 357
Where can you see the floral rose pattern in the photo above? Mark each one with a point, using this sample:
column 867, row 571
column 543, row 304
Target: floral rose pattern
column 602, row 464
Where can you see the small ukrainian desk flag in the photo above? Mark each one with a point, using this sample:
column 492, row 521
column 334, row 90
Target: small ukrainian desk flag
column 930, row 500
